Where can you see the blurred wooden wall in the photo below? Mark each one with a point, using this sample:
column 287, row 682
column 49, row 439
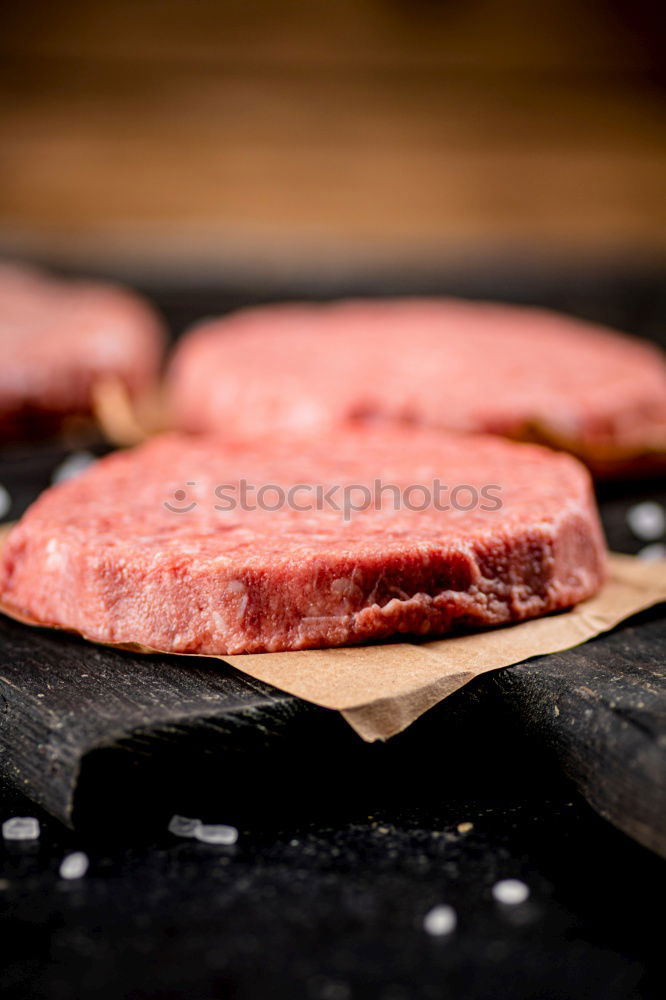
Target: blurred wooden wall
column 398, row 127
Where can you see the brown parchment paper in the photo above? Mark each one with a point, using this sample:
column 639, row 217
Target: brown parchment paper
column 125, row 421
column 382, row 689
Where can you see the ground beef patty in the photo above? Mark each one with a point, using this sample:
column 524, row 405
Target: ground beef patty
column 523, row 373
column 60, row 338
column 160, row 546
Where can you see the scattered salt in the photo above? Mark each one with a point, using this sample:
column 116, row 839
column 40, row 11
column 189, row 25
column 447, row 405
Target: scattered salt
column 440, row 921
column 653, row 553
column 181, row 826
column 21, row 828
column 74, row 865
column 216, row 834
column 510, row 891
column 208, row 833
column 647, row 520
column 72, row 466
column 5, row 502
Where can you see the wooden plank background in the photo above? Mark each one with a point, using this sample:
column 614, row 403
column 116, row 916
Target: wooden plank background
column 264, row 128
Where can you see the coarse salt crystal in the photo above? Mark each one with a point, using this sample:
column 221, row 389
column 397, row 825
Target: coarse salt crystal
column 181, row 826
column 510, row 891
column 440, row 921
column 647, row 520
column 74, row 865
column 5, row 501
column 209, row 833
column 21, row 828
column 72, row 466
column 653, row 553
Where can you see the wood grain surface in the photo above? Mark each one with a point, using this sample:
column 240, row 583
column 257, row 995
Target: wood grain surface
column 599, row 711
column 254, row 131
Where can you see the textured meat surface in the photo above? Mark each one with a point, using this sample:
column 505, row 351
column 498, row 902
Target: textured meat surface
column 59, row 338
column 510, row 370
column 151, row 545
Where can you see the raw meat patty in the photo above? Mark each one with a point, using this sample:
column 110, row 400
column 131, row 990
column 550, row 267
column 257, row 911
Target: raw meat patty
column 59, row 338
column 524, row 373
column 122, row 555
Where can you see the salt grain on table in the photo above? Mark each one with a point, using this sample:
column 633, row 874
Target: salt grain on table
column 653, row 553
column 21, row 828
column 74, row 865
column 5, row 502
column 181, row 826
column 440, row 921
column 219, row 834
column 510, row 891
column 647, row 520
column 72, row 466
